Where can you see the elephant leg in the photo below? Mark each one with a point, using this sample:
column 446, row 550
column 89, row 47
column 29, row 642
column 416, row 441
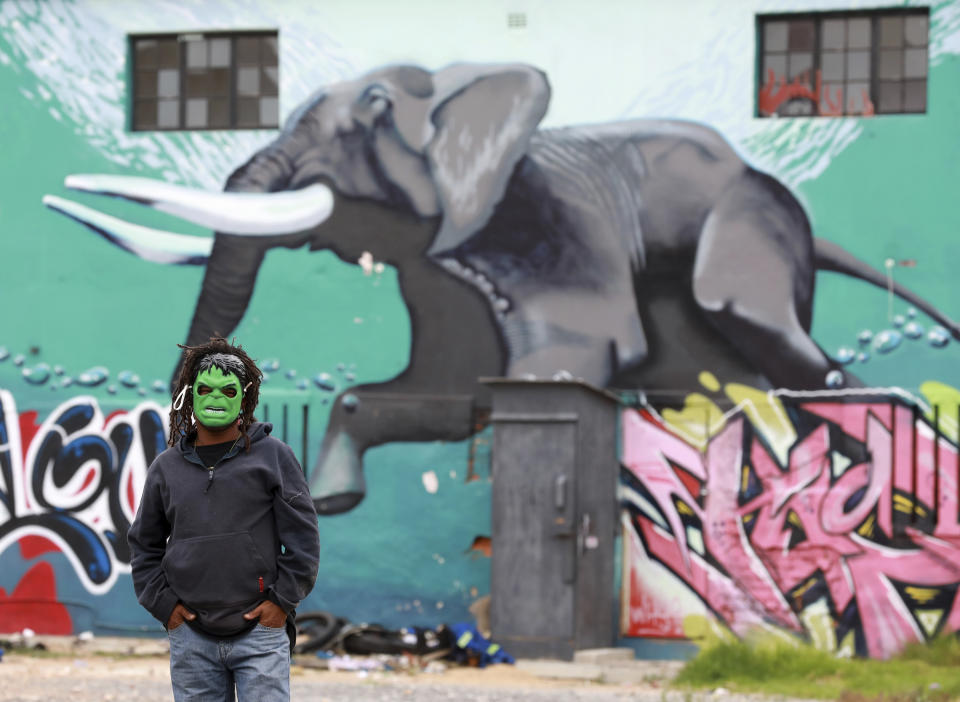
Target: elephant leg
column 369, row 416
column 753, row 278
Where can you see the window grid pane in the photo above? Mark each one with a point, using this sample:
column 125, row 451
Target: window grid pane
column 865, row 62
column 216, row 81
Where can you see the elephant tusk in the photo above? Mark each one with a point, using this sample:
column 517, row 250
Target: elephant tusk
column 285, row 212
column 149, row 244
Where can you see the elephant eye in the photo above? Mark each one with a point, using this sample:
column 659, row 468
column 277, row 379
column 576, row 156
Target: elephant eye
column 376, row 97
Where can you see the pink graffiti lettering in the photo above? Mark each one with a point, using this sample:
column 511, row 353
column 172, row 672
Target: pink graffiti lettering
column 758, row 538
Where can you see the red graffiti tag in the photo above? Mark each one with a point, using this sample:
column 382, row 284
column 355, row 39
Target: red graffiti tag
column 778, row 91
column 33, row 605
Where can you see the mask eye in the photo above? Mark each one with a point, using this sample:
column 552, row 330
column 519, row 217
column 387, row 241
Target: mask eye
column 204, row 389
column 230, row 392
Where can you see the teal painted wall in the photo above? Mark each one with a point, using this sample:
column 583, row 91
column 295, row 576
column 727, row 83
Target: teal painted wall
column 880, row 187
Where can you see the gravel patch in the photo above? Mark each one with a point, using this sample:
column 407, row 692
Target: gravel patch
column 147, row 679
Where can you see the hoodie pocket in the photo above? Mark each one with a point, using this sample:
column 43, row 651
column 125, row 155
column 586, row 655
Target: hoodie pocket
column 221, row 570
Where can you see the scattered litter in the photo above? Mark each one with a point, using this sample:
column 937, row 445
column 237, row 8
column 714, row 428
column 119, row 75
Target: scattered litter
column 85, row 636
column 720, row 692
column 370, row 648
column 348, row 662
column 28, row 633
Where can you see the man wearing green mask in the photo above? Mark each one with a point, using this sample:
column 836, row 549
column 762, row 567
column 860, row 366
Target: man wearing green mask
column 225, row 542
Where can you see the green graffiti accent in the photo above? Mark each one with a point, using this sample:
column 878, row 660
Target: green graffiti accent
column 216, row 398
column 699, row 419
column 706, row 631
column 819, row 625
column 947, row 398
column 768, row 416
column 709, row 381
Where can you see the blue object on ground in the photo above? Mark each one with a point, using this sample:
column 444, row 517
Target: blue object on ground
column 475, row 645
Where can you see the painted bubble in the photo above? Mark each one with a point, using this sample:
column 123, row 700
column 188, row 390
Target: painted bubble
column 302, row 384
column 341, row 367
column 350, row 377
column 112, row 389
column 158, row 386
column 4, row 354
column 128, row 379
column 271, row 365
column 66, row 381
column 37, row 375
column 350, row 402
column 898, row 320
column 865, row 337
column 264, row 378
column 291, row 374
column 142, row 392
column 324, row 381
column 913, row 330
column 887, row 340
column 863, row 357
column 911, row 312
column 834, row 379
column 58, row 370
column 19, row 359
column 938, row 337
column 845, row 355
column 93, row 377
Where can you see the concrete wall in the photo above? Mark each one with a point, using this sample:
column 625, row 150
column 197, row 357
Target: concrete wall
column 491, row 241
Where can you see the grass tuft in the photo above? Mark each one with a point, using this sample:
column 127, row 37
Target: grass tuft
column 921, row 673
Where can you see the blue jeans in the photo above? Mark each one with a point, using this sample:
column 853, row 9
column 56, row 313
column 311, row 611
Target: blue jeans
column 205, row 669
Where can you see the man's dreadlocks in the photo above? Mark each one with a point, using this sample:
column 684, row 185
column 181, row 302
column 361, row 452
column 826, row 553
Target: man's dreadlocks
column 229, row 359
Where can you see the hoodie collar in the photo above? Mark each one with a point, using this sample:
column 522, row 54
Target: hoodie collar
column 256, row 432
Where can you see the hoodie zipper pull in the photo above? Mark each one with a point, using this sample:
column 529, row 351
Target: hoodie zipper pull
column 209, row 479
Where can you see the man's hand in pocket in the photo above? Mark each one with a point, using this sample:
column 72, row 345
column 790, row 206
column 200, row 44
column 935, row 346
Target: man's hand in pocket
column 178, row 616
column 269, row 614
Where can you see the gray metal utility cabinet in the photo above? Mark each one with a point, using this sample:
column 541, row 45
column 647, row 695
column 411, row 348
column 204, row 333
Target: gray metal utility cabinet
column 554, row 467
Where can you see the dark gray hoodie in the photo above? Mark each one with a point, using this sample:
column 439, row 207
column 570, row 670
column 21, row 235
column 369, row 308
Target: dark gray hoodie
column 212, row 539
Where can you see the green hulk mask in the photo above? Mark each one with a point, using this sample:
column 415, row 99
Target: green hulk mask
column 217, row 397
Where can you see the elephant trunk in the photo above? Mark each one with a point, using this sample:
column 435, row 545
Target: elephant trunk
column 235, row 260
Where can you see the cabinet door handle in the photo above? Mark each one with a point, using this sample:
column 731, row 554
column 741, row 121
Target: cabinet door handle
column 560, row 492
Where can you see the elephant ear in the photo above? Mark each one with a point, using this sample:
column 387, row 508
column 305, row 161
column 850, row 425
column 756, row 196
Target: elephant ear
column 482, row 119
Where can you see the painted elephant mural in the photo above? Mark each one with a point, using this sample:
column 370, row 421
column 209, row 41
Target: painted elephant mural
column 631, row 255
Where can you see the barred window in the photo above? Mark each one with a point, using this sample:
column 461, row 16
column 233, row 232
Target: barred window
column 843, row 63
column 222, row 80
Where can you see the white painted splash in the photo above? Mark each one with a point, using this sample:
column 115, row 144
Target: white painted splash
column 430, row 482
column 599, row 70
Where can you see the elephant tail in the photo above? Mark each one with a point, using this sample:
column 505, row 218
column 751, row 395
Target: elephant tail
column 830, row 257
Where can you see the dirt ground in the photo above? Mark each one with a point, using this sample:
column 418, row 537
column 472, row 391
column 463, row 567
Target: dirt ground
column 105, row 678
